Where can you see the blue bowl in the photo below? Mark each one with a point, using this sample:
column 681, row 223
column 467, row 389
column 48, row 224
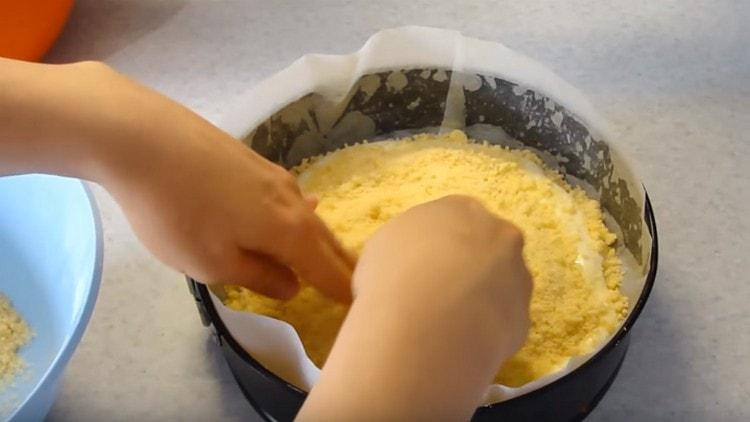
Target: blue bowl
column 50, row 269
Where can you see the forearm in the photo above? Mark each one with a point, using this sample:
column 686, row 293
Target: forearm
column 405, row 363
column 81, row 120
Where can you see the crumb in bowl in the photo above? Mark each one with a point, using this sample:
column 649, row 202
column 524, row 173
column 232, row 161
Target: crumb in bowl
column 14, row 333
column 576, row 303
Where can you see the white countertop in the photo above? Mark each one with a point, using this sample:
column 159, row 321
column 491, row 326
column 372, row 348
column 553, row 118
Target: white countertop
column 672, row 76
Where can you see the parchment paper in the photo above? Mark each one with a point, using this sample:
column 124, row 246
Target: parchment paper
column 415, row 79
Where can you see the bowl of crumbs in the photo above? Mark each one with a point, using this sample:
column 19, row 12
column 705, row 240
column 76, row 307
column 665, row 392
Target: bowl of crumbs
column 417, row 114
column 50, row 268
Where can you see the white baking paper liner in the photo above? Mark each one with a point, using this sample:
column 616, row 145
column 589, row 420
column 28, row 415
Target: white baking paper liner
column 274, row 343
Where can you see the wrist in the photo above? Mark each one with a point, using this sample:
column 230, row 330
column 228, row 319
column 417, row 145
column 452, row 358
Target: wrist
column 413, row 363
column 62, row 119
column 450, row 314
column 129, row 129
column 41, row 125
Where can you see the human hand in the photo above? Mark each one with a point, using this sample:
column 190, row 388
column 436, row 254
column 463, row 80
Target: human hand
column 441, row 299
column 447, row 257
column 209, row 206
column 198, row 199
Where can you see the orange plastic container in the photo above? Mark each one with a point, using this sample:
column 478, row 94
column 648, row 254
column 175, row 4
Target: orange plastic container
column 28, row 28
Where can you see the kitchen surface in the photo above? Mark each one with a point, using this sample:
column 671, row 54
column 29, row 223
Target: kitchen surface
column 673, row 78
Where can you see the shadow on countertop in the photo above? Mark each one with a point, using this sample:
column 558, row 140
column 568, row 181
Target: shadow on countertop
column 237, row 406
column 100, row 28
column 657, row 368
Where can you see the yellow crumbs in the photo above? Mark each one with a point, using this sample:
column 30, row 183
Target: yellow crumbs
column 14, row 333
column 576, row 303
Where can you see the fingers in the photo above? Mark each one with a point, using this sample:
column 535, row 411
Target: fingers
column 312, row 202
column 348, row 259
column 342, row 263
column 291, row 233
column 319, row 259
column 263, row 275
column 333, row 273
column 301, row 241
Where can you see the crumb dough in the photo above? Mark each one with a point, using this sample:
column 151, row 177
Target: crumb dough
column 14, row 333
column 576, row 303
